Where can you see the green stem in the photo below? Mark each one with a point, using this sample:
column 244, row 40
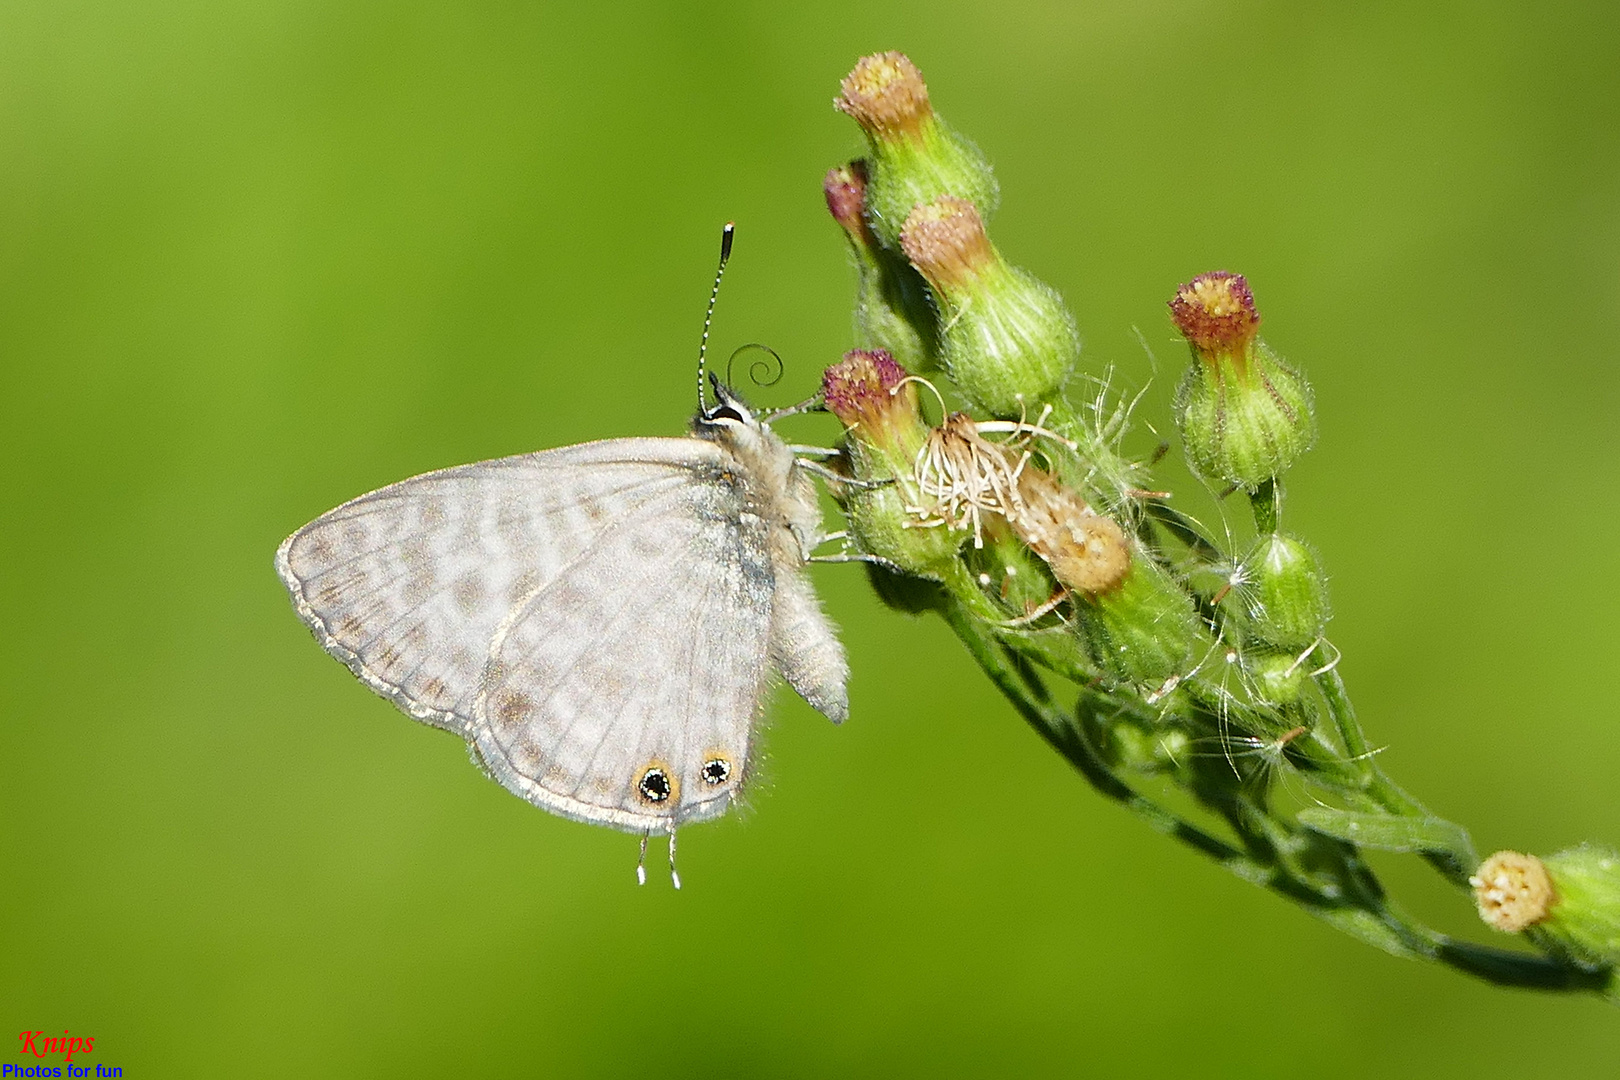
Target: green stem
column 1356, row 907
column 1267, row 503
column 1182, row 528
column 1456, row 865
column 1065, row 738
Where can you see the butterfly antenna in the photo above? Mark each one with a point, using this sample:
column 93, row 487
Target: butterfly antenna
column 726, row 235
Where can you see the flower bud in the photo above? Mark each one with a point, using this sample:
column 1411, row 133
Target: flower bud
column 1145, row 631
column 893, row 310
column 915, row 156
column 1287, row 597
column 1585, row 916
column 1279, row 679
column 884, row 432
column 1008, row 573
column 1007, row 340
column 1125, row 744
column 1244, row 415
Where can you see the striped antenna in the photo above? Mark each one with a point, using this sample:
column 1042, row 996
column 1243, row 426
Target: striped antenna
column 726, row 235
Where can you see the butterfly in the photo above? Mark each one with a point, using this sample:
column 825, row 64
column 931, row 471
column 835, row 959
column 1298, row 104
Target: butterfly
column 599, row 622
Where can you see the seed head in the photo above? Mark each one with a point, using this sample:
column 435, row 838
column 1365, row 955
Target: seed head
column 1086, row 551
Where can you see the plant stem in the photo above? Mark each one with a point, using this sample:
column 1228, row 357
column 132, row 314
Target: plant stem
column 1455, row 865
column 1266, row 501
column 1355, row 905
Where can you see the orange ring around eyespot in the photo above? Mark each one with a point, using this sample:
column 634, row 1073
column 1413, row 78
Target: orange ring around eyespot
column 716, row 757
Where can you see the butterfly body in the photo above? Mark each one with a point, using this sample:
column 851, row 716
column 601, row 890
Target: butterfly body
column 599, row 621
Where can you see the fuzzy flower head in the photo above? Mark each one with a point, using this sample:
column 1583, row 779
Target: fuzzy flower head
column 914, row 156
column 886, row 95
column 1512, row 890
column 945, row 239
column 867, row 391
column 1006, row 339
column 876, row 401
column 1215, row 312
column 1245, row 416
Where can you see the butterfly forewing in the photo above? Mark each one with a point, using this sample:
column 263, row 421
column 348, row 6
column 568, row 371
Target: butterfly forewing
column 623, row 691
column 408, row 585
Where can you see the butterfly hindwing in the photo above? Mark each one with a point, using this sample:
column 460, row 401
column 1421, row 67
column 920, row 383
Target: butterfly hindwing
column 623, row 692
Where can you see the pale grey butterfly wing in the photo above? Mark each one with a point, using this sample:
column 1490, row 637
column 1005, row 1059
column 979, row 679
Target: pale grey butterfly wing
column 623, row 692
column 407, row 585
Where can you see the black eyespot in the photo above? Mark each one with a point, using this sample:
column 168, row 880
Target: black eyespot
column 716, row 771
column 655, row 785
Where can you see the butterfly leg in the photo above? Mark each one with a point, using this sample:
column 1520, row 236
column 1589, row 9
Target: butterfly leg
column 674, row 875
column 858, row 556
column 839, row 478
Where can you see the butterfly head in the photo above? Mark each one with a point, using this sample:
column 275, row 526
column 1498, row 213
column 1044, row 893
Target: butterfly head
column 727, row 413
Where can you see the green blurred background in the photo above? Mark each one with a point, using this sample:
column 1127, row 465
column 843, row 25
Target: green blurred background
column 258, row 258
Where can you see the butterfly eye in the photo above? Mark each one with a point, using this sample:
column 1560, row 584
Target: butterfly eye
column 655, row 786
column 724, row 412
column 716, row 771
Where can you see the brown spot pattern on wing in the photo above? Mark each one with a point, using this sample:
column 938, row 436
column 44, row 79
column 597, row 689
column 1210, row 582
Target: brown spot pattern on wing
column 513, row 707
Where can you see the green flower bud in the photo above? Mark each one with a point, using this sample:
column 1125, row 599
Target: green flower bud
column 884, row 432
column 1244, row 415
column 1145, row 631
column 1287, row 597
column 1585, row 916
column 1125, row 744
column 915, row 156
column 1279, row 678
column 1006, row 339
column 1008, row 572
column 893, row 310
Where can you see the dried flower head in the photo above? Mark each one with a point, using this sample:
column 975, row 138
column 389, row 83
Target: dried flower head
column 964, row 476
column 1512, row 890
column 1087, row 552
